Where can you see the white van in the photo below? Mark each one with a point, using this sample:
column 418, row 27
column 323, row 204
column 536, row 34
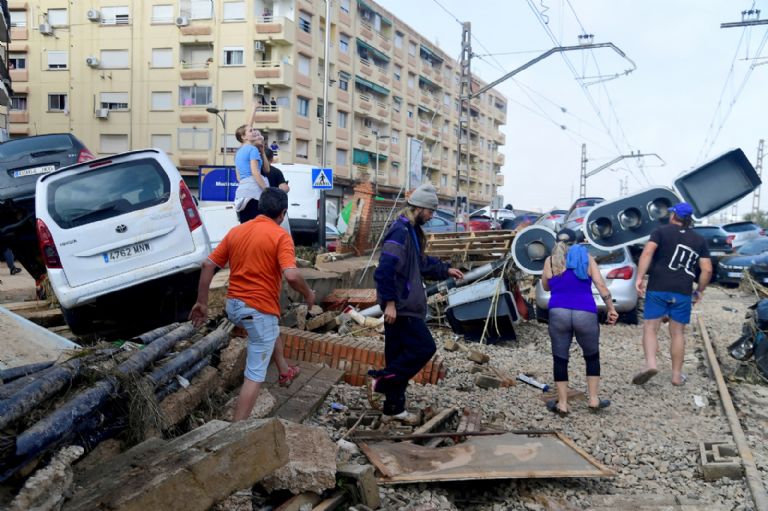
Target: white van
column 121, row 236
column 303, row 200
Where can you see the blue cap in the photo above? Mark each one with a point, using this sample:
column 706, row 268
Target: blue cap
column 683, row 209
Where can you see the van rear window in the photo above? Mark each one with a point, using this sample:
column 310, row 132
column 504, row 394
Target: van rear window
column 107, row 191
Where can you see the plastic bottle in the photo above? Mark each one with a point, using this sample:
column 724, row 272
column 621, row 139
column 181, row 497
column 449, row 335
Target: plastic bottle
column 530, row 381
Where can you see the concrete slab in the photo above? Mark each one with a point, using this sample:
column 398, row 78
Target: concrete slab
column 23, row 342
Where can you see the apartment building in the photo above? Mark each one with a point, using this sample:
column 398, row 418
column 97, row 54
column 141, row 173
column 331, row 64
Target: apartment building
column 5, row 77
column 125, row 74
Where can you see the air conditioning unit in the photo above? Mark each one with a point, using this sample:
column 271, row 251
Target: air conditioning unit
column 284, row 136
column 46, row 29
column 102, row 113
column 259, row 90
column 92, row 62
column 93, row 15
column 182, row 21
column 259, row 46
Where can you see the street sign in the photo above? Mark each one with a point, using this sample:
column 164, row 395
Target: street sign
column 322, row 179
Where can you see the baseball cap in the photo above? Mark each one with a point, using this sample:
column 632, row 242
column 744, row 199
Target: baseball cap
column 683, row 209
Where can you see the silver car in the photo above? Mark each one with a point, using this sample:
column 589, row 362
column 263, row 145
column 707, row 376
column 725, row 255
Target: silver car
column 742, row 232
column 619, row 273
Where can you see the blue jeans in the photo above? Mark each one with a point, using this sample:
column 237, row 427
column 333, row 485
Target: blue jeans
column 663, row 303
column 262, row 333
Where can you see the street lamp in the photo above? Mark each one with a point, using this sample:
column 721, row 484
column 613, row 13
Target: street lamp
column 215, row 111
column 377, row 137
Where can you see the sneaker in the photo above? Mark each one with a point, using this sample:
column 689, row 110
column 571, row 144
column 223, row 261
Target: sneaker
column 405, row 417
column 373, row 398
column 14, row 271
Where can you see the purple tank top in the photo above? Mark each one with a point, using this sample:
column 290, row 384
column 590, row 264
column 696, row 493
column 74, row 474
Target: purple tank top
column 570, row 292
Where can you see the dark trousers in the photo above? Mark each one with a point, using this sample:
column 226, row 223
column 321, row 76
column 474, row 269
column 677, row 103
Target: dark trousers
column 408, row 346
column 9, row 259
column 250, row 211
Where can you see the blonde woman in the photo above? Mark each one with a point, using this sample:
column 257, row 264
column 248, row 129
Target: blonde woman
column 569, row 274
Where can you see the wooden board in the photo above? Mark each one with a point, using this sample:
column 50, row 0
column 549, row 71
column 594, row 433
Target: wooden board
column 305, row 394
column 470, row 248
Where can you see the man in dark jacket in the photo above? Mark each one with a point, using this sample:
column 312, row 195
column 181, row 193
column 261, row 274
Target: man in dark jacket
column 408, row 343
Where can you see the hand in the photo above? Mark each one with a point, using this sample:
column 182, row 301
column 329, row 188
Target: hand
column 199, row 314
column 390, row 313
column 258, row 141
column 697, row 296
column 613, row 316
column 455, row 273
column 640, row 287
column 310, row 299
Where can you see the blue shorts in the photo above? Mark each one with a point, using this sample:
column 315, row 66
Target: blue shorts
column 262, row 333
column 663, row 303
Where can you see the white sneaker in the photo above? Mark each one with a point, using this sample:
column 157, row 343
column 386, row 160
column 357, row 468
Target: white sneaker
column 405, row 417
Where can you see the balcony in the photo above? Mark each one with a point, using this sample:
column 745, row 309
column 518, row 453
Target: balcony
column 498, row 159
column 18, row 116
column 196, row 34
column 499, row 179
column 365, row 139
column 194, row 117
column 366, row 67
column 275, row 30
column 363, row 103
column 382, row 109
column 5, row 22
column 19, row 33
column 366, row 31
column 272, row 117
column 500, row 138
column 19, row 75
column 273, row 73
column 194, row 71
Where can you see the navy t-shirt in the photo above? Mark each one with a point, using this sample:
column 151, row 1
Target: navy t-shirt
column 673, row 268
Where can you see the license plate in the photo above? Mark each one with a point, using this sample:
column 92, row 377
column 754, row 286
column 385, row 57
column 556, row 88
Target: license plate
column 125, row 252
column 32, row 172
column 734, row 274
column 716, row 253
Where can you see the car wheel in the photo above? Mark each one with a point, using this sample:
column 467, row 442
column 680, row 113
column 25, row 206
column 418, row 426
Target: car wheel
column 79, row 320
column 630, row 317
column 542, row 315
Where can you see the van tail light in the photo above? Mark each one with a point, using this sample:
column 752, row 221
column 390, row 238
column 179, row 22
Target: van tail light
column 579, row 220
column 623, row 273
column 47, row 246
column 762, row 232
column 188, row 205
column 730, row 238
column 85, row 155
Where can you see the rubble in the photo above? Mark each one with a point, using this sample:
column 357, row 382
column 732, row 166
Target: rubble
column 49, row 486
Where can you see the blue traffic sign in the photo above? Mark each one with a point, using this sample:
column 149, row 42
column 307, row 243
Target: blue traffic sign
column 322, row 179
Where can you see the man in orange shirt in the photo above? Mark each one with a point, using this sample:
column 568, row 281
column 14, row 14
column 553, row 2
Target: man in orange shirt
column 259, row 253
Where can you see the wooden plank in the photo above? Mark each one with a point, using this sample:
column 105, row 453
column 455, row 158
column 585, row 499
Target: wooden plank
column 332, row 502
column 436, row 421
column 303, row 397
column 28, row 305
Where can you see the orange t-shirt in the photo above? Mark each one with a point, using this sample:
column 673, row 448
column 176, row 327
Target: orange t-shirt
column 258, row 252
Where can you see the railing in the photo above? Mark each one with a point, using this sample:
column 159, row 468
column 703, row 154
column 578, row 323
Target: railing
column 365, row 62
column 382, row 105
column 122, row 20
column 196, row 65
column 268, row 63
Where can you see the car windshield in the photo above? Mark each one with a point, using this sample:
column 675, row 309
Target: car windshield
column 606, row 256
column 754, row 247
column 107, row 191
column 745, row 227
column 579, row 213
column 712, row 231
column 13, row 149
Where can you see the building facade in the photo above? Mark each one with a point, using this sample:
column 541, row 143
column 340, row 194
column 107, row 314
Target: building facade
column 129, row 74
column 5, row 77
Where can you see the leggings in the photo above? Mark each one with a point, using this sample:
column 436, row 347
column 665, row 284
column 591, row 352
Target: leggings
column 563, row 325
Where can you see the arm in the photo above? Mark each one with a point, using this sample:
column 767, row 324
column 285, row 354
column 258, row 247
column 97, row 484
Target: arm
column 297, row 282
column 433, row 268
column 390, row 262
column 546, row 274
column 264, row 160
column 705, row 263
column 602, row 289
column 256, row 173
column 199, row 313
column 642, row 268
column 252, row 118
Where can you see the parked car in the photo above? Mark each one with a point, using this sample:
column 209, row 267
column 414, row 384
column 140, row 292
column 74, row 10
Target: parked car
column 718, row 242
column 438, row 224
column 122, row 240
column 498, row 214
column 618, row 271
column 741, row 232
column 519, row 222
column 731, row 268
column 483, row 223
column 553, row 219
column 22, row 162
column 450, row 216
column 575, row 221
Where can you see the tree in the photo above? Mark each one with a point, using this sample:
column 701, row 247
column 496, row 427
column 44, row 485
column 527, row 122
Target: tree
column 761, row 218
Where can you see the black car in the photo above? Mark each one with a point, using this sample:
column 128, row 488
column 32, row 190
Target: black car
column 717, row 241
column 753, row 255
column 22, row 162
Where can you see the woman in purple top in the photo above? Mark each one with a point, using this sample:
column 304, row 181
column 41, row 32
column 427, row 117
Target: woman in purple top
column 569, row 274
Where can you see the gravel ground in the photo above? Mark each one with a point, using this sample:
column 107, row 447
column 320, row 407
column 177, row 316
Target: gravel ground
column 650, row 435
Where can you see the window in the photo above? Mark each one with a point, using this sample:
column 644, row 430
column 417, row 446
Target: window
column 446, row 99
column 57, row 102
column 443, row 180
column 302, row 106
column 234, row 11
column 398, row 72
column 396, row 103
column 18, row 18
column 344, row 6
column 116, row 15
column 302, row 148
column 19, row 103
column 162, row 14
column 343, row 116
column 194, row 139
column 305, row 22
column 17, row 61
column 58, row 17
column 232, row 99
column 398, row 39
column 162, row 57
column 411, row 80
column 114, row 59
column 58, row 59
column 321, row 110
column 411, row 48
column 341, row 157
column 195, row 96
column 305, row 63
column 111, row 144
column 395, row 137
column 343, row 81
column 233, row 56
column 196, row 9
column 162, row 142
column 410, row 111
column 162, row 101
column 343, row 43
column 114, row 100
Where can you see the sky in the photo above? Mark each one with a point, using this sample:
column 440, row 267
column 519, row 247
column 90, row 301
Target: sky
column 697, row 90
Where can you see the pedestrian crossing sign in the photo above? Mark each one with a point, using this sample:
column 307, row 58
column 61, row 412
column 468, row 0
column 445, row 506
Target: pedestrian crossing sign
column 322, row 179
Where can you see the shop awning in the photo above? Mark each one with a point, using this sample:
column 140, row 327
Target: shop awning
column 431, row 54
column 424, row 79
column 373, row 86
column 377, row 53
column 369, row 7
column 425, row 109
column 360, row 157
